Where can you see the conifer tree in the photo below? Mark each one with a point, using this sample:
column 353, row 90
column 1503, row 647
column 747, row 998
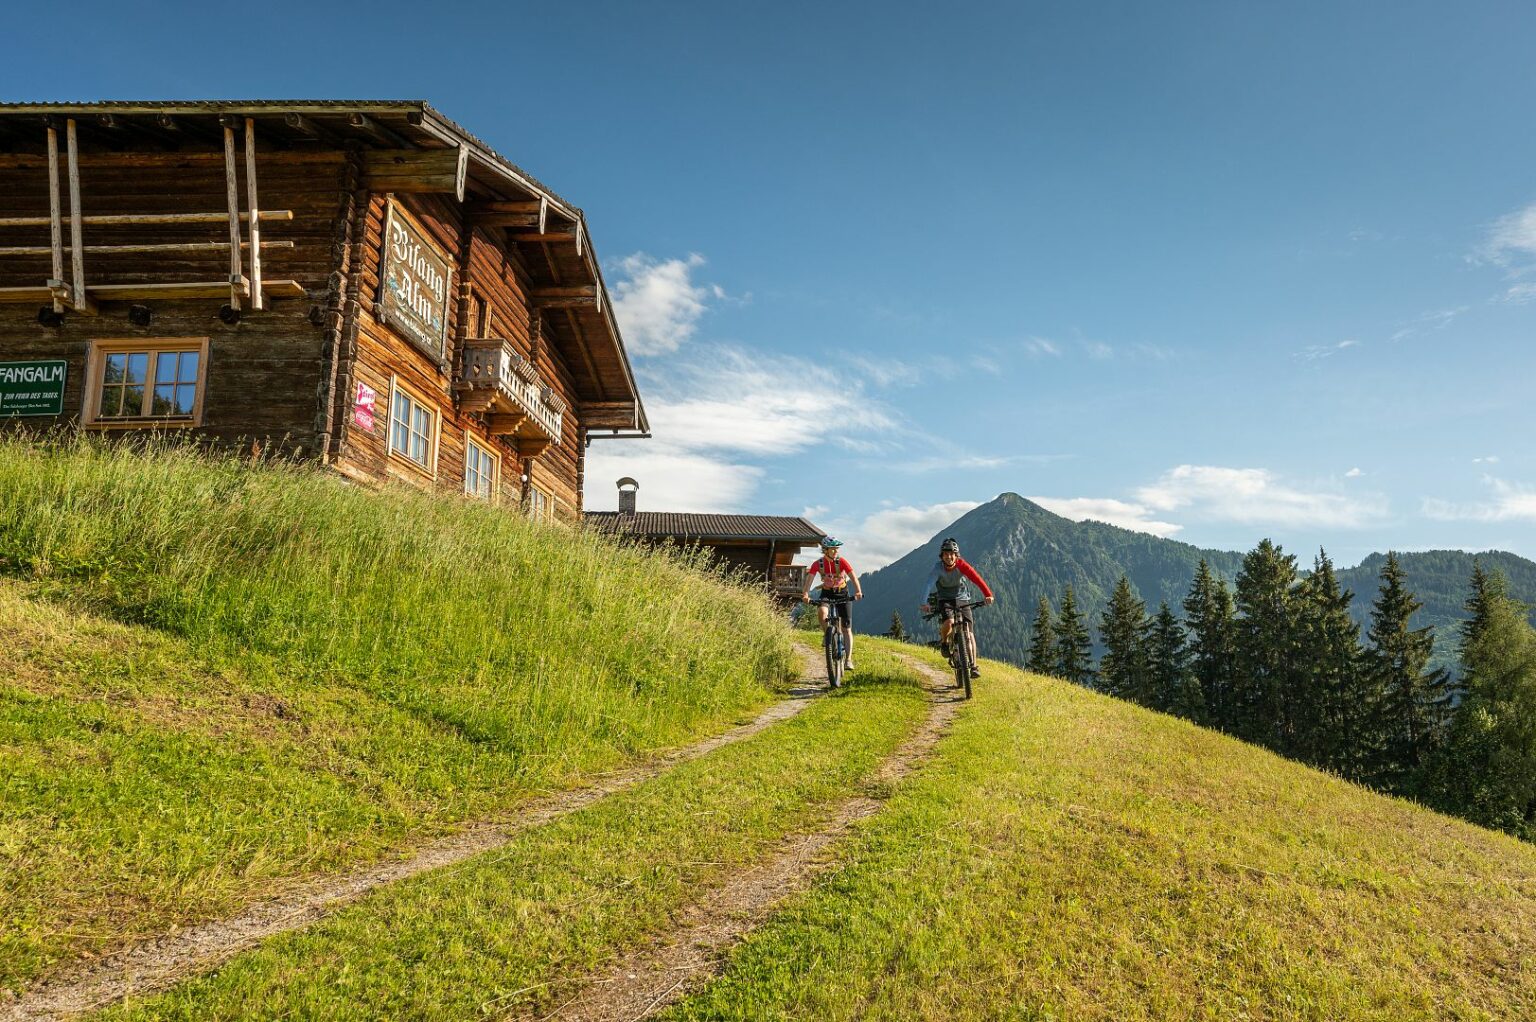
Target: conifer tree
column 1331, row 705
column 1415, row 702
column 1487, row 771
column 1265, row 645
column 1175, row 689
column 1209, row 611
column 1074, row 659
column 1122, row 629
column 898, row 630
column 1042, row 640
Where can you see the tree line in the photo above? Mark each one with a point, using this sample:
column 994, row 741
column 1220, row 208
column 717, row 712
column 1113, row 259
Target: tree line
column 1275, row 659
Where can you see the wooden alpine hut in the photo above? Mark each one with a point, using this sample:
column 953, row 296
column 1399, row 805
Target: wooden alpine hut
column 363, row 284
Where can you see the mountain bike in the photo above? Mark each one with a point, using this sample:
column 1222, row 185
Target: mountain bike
column 961, row 644
column 833, row 643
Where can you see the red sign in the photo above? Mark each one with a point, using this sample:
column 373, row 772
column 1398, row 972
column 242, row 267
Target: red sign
column 362, row 407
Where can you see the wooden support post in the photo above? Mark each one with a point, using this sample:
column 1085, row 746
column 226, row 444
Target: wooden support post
column 255, row 212
column 81, row 301
column 55, row 215
column 543, row 213
column 232, row 198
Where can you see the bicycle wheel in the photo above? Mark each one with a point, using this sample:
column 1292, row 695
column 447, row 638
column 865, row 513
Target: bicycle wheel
column 831, row 643
column 963, row 659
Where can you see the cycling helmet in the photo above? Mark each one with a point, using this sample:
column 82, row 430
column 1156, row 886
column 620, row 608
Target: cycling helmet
column 830, row 543
column 949, row 545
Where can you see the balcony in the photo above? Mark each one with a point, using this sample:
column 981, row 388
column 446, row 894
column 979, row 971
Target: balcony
column 787, row 579
column 502, row 385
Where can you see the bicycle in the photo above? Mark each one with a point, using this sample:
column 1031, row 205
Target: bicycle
column 832, row 642
column 962, row 645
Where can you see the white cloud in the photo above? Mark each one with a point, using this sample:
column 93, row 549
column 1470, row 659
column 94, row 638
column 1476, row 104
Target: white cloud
column 885, row 372
column 715, row 416
column 1136, row 517
column 657, row 303
column 1098, row 350
column 1518, row 294
column 1038, row 346
column 1256, row 496
column 1353, row 473
column 893, row 532
column 1512, row 237
column 671, row 477
column 1510, row 502
column 1492, row 459
column 1318, row 351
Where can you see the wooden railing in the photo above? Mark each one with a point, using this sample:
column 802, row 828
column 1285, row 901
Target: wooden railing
column 787, row 578
column 506, row 387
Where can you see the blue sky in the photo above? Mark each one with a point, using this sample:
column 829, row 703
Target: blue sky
column 1218, row 271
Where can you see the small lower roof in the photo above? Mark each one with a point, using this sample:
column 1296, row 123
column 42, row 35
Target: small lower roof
column 687, row 526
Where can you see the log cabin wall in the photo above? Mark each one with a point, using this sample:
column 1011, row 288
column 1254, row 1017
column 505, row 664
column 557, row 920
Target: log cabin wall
column 530, row 349
column 493, row 281
column 264, row 376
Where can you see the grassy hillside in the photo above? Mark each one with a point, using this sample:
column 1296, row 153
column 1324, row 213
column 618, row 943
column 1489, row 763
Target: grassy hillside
column 1069, row 856
column 216, row 678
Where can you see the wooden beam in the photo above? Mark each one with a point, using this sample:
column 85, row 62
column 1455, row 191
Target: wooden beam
column 505, row 423
column 564, row 297
column 232, row 197
column 543, row 214
column 27, row 295
column 508, row 206
column 607, row 414
column 64, row 295
column 81, row 302
column 254, row 212
column 545, row 237
column 417, row 170
column 145, row 218
column 55, row 214
column 374, row 130
column 196, row 289
column 531, row 447
column 169, row 246
column 167, row 123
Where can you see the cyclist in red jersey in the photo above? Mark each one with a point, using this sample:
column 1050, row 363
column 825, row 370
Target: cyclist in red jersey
column 836, row 578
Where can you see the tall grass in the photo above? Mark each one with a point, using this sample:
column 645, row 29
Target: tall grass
column 540, row 638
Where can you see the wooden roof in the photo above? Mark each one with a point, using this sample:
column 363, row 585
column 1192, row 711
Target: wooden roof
column 685, row 526
column 550, row 232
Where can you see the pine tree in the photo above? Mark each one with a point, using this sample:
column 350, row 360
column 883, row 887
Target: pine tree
column 1487, row 771
column 1074, row 646
column 1415, row 702
column 1209, row 611
column 897, row 631
column 1042, row 640
column 1123, row 668
column 1331, row 705
column 1487, row 591
column 1174, row 687
column 1265, row 646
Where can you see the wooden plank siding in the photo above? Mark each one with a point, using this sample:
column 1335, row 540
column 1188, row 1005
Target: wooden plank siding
column 284, row 376
column 264, row 373
column 496, row 275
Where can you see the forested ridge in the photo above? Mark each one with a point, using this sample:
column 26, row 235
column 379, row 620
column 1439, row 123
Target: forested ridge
column 1025, row 552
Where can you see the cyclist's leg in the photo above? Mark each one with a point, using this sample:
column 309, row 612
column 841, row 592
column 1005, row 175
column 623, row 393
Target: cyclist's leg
column 845, row 611
column 970, row 638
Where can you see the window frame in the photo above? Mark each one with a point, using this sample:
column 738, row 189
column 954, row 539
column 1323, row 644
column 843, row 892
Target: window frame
column 96, row 363
column 398, row 387
column 472, row 442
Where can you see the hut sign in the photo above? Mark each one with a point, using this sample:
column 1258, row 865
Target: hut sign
column 415, row 298
column 362, row 407
column 33, row 388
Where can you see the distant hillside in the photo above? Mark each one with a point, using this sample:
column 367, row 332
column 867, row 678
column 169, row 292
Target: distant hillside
column 1025, row 552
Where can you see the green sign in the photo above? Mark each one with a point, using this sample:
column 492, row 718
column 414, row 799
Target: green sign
column 34, row 387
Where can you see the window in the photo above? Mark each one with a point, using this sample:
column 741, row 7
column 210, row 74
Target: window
column 412, row 428
column 146, row 383
column 540, row 505
column 480, row 470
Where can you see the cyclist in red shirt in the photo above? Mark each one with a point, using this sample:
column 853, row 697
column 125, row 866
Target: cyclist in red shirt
column 836, row 578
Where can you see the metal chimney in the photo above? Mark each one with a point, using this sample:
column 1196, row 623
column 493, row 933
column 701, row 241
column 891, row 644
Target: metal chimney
column 627, row 488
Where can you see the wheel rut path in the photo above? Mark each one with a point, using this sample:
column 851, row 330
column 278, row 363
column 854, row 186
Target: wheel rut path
column 694, row 951
column 164, row 961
